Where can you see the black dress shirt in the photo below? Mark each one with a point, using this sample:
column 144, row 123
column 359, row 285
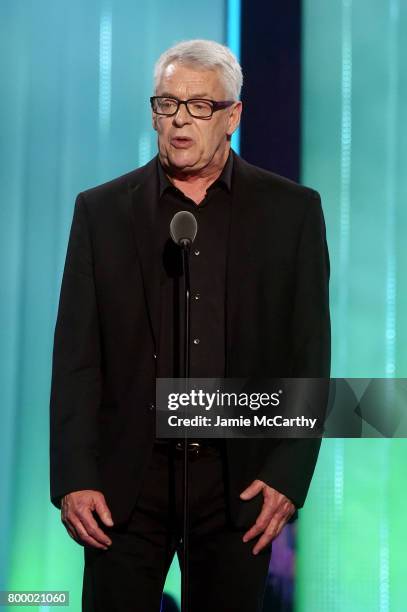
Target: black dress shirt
column 207, row 279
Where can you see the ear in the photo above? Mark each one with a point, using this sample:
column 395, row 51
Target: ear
column 234, row 118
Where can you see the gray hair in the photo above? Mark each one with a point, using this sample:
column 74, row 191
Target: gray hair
column 204, row 54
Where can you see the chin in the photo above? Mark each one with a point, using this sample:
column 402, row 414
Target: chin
column 182, row 161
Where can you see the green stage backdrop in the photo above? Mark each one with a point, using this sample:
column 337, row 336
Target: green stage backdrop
column 354, row 151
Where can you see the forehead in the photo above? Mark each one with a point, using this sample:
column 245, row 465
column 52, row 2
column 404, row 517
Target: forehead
column 182, row 79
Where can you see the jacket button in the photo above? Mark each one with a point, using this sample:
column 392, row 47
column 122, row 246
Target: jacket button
column 151, row 406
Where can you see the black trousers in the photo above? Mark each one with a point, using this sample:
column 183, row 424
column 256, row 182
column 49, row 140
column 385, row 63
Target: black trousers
column 224, row 575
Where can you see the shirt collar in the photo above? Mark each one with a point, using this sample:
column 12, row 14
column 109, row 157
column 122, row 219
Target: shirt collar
column 225, row 176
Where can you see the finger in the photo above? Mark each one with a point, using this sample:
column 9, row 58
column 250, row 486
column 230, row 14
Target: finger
column 254, row 531
column 92, row 527
column 104, row 512
column 252, row 490
column 84, row 537
column 274, row 530
column 264, row 541
column 73, row 534
column 261, row 524
column 70, row 528
column 72, row 531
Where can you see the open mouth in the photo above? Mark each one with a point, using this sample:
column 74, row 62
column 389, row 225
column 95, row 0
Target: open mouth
column 181, row 142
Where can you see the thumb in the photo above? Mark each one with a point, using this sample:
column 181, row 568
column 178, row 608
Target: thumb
column 253, row 489
column 103, row 511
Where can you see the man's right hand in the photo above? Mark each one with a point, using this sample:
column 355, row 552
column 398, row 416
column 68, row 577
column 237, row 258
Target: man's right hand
column 76, row 515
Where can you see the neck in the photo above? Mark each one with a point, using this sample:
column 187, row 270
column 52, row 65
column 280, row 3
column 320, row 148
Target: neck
column 197, row 182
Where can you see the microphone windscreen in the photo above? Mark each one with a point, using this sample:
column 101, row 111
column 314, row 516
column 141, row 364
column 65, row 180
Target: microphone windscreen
column 183, row 226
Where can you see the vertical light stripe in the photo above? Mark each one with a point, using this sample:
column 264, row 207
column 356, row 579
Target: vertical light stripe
column 391, row 288
column 233, row 26
column 392, row 124
column 384, row 549
column 335, row 595
column 233, row 18
column 384, row 570
column 105, row 71
column 345, row 197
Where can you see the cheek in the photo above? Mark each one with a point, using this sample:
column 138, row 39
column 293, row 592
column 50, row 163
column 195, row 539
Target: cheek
column 161, row 125
column 211, row 136
column 163, row 133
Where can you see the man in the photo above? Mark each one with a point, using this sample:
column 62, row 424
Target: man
column 259, row 281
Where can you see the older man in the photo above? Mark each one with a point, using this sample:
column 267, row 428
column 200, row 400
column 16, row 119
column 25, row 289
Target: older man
column 259, row 276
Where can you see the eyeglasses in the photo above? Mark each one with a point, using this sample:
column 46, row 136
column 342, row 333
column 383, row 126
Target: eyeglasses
column 200, row 109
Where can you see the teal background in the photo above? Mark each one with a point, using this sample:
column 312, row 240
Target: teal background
column 351, row 542
column 75, row 82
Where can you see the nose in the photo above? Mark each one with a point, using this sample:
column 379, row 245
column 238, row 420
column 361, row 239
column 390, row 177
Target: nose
column 182, row 115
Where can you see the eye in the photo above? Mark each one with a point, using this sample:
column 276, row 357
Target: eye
column 200, row 105
column 200, row 108
column 167, row 104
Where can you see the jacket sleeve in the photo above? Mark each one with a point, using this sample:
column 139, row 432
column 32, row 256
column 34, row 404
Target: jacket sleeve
column 76, row 370
column 290, row 466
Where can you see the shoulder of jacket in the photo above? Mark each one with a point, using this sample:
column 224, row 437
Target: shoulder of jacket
column 267, row 180
column 120, row 184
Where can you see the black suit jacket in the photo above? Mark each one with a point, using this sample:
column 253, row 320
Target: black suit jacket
column 102, row 419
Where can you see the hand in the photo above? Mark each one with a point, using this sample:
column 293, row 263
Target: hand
column 276, row 511
column 76, row 515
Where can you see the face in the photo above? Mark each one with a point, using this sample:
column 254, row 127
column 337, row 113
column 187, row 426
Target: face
column 188, row 145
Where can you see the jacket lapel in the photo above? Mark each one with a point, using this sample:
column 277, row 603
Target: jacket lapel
column 241, row 235
column 144, row 208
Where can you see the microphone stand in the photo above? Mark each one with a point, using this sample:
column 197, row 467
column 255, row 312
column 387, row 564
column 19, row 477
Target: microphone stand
column 185, row 246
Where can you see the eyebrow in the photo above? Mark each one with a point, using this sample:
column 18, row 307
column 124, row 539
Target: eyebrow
column 166, row 94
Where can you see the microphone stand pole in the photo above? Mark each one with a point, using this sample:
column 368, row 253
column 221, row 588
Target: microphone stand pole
column 185, row 245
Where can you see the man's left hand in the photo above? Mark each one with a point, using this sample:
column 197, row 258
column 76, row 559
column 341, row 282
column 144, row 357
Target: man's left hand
column 276, row 511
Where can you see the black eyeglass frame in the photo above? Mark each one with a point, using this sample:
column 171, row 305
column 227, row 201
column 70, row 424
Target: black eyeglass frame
column 215, row 105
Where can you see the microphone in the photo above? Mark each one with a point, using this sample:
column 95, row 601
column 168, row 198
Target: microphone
column 183, row 228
